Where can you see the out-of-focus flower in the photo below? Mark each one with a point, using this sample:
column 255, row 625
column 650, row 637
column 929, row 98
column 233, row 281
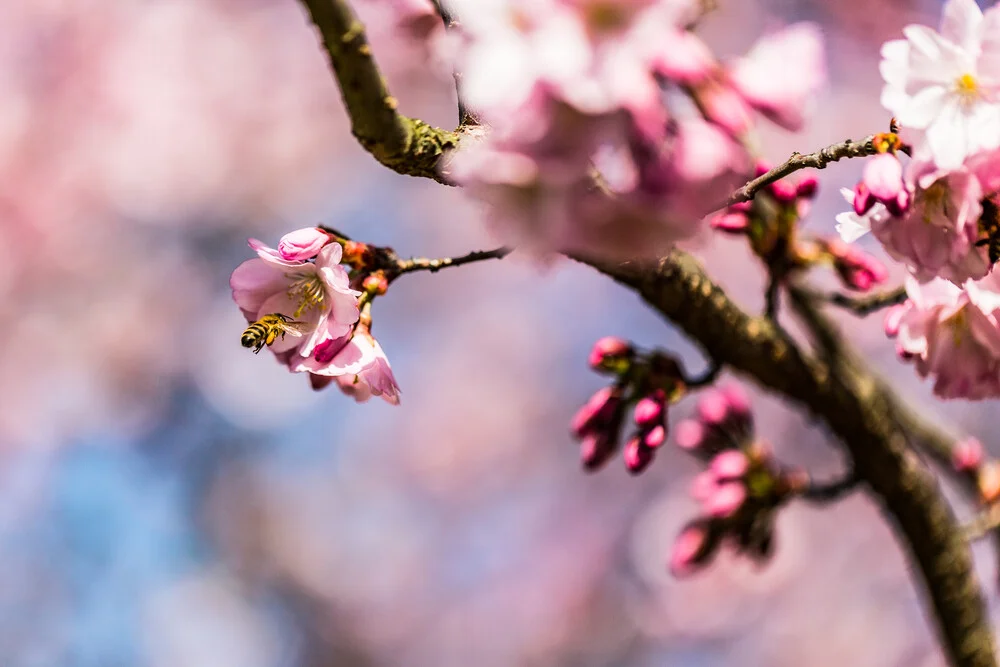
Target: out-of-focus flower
column 953, row 335
column 317, row 295
column 782, row 74
column 857, row 269
column 946, row 84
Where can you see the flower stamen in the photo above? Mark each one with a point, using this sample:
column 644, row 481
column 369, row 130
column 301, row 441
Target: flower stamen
column 308, row 290
column 967, row 88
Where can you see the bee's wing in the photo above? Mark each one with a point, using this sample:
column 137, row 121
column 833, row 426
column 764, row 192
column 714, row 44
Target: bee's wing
column 295, row 328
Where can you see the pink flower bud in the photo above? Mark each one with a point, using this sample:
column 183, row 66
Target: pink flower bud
column 783, row 191
column 741, row 207
column 967, row 455
column 655, row 437
column 730, row 465
column 894, row 319
column 595, row 450
column 739, row 402
column 703, row 486
column 637, row 456
column 807, row 187
column 597, row 412
column 732, row 222
column 883, row 176
column 761, row 168
column 691, row 548
column 376, row 284
column 713, row 407
column 725, row 107
column 726, row 500
column 608, row 349
column 302, row 244
column 649, row 411
column 859, row 270
column 863, row 199
column 689, row 434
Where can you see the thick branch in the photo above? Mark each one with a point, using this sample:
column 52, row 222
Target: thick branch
column 817, row 160
column 855, row 406
column 405, row 145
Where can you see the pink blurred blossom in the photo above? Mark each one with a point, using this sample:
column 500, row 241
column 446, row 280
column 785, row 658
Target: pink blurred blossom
column 952, row 334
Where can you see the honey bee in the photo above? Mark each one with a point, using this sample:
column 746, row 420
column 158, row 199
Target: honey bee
column 989, row 224
column 265, row 330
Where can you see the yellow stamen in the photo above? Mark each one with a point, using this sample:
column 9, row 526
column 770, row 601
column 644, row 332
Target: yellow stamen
column 967, row 88
column 308, row 291
column 604, row 16
column 958, row 326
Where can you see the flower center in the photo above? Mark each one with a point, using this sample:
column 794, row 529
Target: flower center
column 604, row 16
column 958, row 325
column 967, row 88
column 307, row 290
column 935, row 202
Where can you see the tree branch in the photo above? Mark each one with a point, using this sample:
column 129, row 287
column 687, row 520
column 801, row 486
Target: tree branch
column 405, row 145
column 797, row 161
column 857, row 407
column 860, row 410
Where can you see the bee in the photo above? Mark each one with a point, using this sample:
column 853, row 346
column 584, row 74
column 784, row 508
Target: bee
column 265, row 330
column 989, row 223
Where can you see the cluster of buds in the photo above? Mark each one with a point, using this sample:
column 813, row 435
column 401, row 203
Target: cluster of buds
column 771, row 214
column 740, row 489
column 648, row 382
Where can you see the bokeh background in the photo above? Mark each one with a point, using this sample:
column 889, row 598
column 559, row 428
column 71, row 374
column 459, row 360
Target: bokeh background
column 167, row 498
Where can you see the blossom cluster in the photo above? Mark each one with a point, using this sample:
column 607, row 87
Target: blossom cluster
column 611, row 129
column 322, row 331
column 938, row 214
column 740, row 489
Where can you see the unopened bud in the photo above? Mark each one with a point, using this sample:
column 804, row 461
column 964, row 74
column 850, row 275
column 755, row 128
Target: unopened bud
column 967, row 455
column 656, row 437
column 807, row 187
column 610, row 353
column 637, row 456
column 726, row 500
column 731, row 222
column 730, row 465
column 302, row 244
column 356, row 254
column 649, row 410
column 376, row 284
column 783, row 191
column 597, row 412
column 595, row 450
column 689, row 434
column 863, row 199
column 703, row 486
column 761, row 168
column 692, row 549
column 713, row 407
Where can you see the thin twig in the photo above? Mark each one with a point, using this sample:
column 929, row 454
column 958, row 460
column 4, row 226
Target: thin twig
column 465, row 117
column 817, row 160
column 772, row 298
column 868, row 304
column 709, row 376
column 830, row 491
column 434, row 265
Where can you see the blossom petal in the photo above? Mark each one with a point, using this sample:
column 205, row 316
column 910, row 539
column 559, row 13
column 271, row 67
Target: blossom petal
column 253, row 282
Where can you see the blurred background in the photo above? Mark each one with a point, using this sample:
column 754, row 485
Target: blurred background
column 167, row 498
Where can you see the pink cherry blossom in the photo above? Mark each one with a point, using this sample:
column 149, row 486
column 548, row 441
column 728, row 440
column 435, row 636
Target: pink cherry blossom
column 317, row 295
column 945, row 85
column 782, row 74
column 936, row 236
column 953, row 335
column 358, row 364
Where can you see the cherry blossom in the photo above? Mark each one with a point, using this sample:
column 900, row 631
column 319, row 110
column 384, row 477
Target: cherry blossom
column 945, row 85
column 952, row 334
column 316, row 294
